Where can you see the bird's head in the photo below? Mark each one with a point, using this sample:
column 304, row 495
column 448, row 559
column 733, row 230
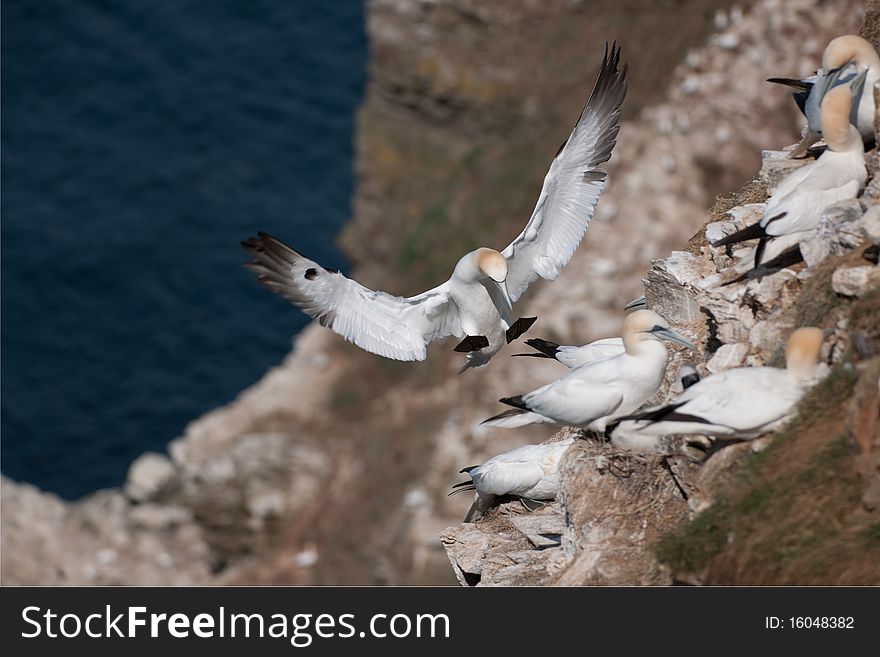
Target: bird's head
column 849, row 49
column 491, row 264
column 802, row 351
column 644, row 326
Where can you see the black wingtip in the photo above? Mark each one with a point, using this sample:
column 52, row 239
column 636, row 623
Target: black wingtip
column 508, row 413
column 516, row 402
column 787, row 258
column 792, row 82
column 752, row 232
column 546, row 348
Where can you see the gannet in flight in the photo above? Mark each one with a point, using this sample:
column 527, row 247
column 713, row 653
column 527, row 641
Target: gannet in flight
column 800, row 199
column 593, row 395
column 530, row 473
column 475, row 303
column 744, row 402
column 844, row 59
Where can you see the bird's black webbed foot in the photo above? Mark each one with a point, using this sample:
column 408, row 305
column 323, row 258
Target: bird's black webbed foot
column 472, row 343
column 519, row 327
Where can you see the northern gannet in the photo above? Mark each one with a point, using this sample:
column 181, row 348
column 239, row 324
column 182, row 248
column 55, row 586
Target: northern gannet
column 593, row 395
column 744, row 402
column 530, row 473
column 844, row 59
column 475, row 303
column 796, row 206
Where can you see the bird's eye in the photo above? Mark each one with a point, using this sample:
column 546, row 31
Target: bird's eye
column 656, row 328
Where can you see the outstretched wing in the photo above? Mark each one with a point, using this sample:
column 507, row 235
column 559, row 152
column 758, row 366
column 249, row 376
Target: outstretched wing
column 383, row 324
column 571, row 187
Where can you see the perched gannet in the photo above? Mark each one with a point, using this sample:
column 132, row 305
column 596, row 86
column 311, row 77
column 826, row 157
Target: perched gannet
column 626, row 434
column 800, row 199
column 845, row 58
column 592, row 395
column 744, row 402
column 530, row 473
column 571, row 356
column 475, row 303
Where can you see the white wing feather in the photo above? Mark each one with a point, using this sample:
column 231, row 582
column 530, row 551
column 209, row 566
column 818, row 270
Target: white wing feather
column 394, row 327
column 571, row 187
column 743, row 400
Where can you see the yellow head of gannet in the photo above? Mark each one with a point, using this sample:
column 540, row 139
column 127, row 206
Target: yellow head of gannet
column 850, row 49
column 492, row 264
column 645, row 326
column 839, row 133
column 802, row 351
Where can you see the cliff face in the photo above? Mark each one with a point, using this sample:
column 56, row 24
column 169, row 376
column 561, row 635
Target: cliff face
column 334, row 467
column 797, row 507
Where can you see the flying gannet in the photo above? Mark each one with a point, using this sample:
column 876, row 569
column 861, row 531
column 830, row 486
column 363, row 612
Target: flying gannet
column 475, row 304
column 796, row 206
column 744, row 402
column 530, row 473
column 844, row 59
column 593, row 395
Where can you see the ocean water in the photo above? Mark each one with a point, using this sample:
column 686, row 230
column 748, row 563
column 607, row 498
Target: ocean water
column 141, row 142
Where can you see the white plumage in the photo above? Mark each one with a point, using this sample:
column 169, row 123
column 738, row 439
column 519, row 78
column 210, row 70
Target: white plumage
column 572, row 356
column 476, row 301
column 744, row 402
column 800, row 199
column 592, row 395
column 530, row 472
column 848, row 59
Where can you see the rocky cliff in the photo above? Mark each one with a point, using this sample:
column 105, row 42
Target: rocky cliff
column 334, row 467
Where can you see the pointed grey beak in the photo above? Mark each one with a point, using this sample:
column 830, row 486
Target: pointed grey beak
column 507, row 304
column 637, row 304
column 671, row 336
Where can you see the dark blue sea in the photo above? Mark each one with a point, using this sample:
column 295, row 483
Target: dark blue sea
column 141, row 142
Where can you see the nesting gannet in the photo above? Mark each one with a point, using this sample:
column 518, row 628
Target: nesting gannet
column 800, row 199
column 572, row 356
column 530, row 473
column 625, row 435
column 592, row 395
column 744, row 402
column 475, row 303
column 845, row 58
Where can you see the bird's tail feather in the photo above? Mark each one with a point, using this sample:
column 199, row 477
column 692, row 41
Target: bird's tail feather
column 514, row 418
column 792, row 82
column 751, row 232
